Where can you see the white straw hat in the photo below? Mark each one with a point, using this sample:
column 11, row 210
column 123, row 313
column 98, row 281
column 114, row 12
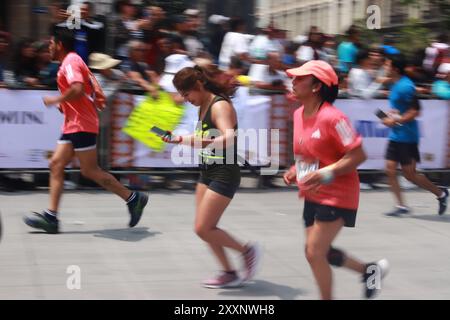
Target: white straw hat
column 101, row 61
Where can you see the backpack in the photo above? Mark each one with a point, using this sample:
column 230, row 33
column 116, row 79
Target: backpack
column 97, row 97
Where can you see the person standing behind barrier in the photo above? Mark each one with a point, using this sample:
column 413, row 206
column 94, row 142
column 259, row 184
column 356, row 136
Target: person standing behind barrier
column 404, row 137
column 347, row 50
column 312, row 49
column 441, row 87
column 220, row 176
column 80, row 130
column 234, row 44
column 109, row 78
column 24, row 64
column 126, row 27
column 47, row 68
column 327, row 152
column 361, row 81
column 268, row 79
column 4, row 44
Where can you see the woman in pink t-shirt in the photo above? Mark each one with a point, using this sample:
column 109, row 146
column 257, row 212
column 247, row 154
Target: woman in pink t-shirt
column 327, row 152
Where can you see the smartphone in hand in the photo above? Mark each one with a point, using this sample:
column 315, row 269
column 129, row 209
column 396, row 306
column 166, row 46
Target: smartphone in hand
column 381, row 114
column 160, row 132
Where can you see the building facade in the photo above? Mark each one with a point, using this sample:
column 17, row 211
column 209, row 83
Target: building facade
column 335, row 16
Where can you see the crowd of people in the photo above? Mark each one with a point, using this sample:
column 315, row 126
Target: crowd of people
column 143, row 39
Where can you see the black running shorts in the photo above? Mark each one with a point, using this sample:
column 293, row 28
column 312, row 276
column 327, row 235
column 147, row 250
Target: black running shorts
column 81, row 141
column 314, row 211
column 403, row 153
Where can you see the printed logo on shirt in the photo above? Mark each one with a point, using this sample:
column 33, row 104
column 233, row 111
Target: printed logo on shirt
column 316, row 134
column 345, row 132
column 69, row 72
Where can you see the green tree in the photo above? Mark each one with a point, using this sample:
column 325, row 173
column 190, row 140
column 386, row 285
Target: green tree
column 412, row 37
column 368, row 37
column 443, row 10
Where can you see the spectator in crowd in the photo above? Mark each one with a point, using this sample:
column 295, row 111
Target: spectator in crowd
column 126, row 27
column 329, row 50
column 192, row 37
column 180, row 26
column 361, row 81
column 137, row 70
column 154, row 36
column 380, row 68
column 289, row 58
column 269, row 78
column 378, row 61
column 218, row 26
column 4, row 44
column 234, row 44
column 441, row 87
column 24, row 64
column 279, row 40
column 174, row 62
column 47, row 69
column 164, row 45
column 193, row 16
column 348, row 49
column 388, row 45
column 58, row 15
column 90, row 37
column 312, row 49
column 108, row 77
column 236, row 67
column 264, row 42
column 415, row 71
column 435, row 54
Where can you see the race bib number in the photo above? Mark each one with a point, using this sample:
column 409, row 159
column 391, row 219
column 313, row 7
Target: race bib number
column 304, row 167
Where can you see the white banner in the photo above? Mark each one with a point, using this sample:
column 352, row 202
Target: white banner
column 28, row 129
column 433, row 127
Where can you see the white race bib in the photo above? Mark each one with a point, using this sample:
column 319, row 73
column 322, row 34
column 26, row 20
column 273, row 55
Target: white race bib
column 304, row 167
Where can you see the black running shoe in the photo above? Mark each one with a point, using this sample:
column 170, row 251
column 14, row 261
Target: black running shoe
column 136, row 207
column 443, row 202
column 41, row 221
column 372, row 277
column 398, row 211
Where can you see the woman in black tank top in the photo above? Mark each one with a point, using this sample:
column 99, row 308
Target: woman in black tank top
column 220, row 174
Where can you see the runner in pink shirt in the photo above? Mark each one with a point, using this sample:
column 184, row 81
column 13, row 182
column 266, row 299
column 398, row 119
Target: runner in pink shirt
column 327, row 152
column 79, row 136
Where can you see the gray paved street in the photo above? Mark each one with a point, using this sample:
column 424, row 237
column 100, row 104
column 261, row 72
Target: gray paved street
column 162, row 258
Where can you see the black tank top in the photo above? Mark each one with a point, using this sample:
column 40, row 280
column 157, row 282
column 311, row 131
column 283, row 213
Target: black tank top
column 208, row 130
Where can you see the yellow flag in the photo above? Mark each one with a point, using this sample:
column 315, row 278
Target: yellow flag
column 162, row 112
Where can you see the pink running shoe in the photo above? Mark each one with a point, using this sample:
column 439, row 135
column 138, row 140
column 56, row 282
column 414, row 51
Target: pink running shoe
column 252, row 259
column 223, row 280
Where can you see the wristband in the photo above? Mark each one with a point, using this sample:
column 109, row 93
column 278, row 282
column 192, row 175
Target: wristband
column 327, row 175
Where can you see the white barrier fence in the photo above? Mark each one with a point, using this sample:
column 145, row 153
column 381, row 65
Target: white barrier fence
column 29, row 130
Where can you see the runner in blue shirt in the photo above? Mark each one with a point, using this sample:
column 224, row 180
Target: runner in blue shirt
column 404, row 137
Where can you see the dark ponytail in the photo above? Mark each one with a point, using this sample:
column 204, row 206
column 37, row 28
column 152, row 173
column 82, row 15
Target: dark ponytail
column 328, row 93
column 187, row 79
